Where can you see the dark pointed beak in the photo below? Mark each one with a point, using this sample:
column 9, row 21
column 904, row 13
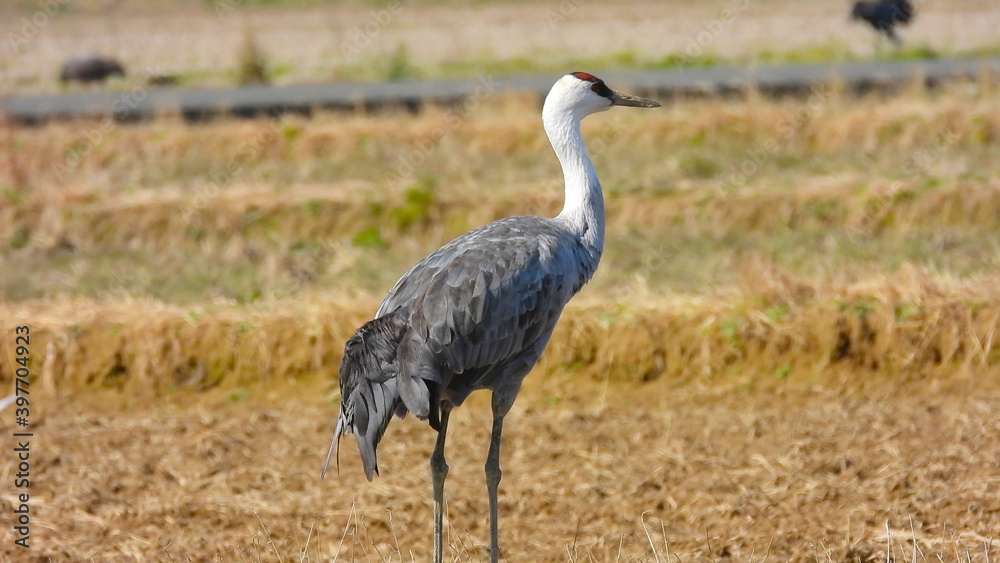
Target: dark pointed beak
column 628, row 100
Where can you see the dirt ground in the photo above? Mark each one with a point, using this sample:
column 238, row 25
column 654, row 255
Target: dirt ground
column 664, row 471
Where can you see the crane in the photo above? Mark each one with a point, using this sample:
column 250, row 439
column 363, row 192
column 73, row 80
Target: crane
column 478, row 312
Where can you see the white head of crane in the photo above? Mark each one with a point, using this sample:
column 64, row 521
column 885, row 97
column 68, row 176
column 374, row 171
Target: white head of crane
column 572, row 98
column 580, row 94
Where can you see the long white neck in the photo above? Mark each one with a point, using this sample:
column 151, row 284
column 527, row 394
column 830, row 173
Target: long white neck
column 583, row 210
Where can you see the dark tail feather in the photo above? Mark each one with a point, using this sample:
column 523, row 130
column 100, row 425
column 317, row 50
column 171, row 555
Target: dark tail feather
column 368, row 392
column 373, row 408
column 334, row 448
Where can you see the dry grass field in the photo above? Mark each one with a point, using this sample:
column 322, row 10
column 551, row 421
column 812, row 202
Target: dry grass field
column 201, row 41
column 788, row 354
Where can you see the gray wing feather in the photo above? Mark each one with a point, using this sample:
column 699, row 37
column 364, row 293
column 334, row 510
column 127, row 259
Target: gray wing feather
column 483, row 298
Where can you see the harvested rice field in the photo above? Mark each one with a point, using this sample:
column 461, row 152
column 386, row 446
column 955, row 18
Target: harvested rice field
column 789, row 352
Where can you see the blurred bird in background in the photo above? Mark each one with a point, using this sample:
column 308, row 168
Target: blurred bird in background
column 884, row 15
column 90, row 68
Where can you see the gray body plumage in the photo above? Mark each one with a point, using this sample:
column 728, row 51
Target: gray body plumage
column 475, row 314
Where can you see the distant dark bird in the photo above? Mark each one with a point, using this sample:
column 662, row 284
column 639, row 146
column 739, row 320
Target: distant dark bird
column 478, row 312
column 90, row 68
column 884, row 15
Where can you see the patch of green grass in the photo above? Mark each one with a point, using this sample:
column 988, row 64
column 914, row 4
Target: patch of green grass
column 834, row 51
column 904, row 311
column 314, row 207
column 276, row 71
column 992, row 50
column 915, row 53
column 681, row 61
column 20, row 239
column 252, row 67
column 777, row 313
column 783, row 372
column 860, row 308
column 416, row 206
column 291, row 130
column 838, row 51
column 397, row 65
column 983, row 131
column 700, row 166
column 609, row 318
column 239, row 396
column 11, row 195
column 826, row 209
column 731, row 330
column 369, row 237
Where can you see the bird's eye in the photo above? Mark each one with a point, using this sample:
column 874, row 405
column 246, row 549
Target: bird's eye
column 601, row 89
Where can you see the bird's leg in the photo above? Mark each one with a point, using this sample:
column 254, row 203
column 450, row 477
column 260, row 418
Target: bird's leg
column 891, row 34
column 439, row 470
column 493, row 475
